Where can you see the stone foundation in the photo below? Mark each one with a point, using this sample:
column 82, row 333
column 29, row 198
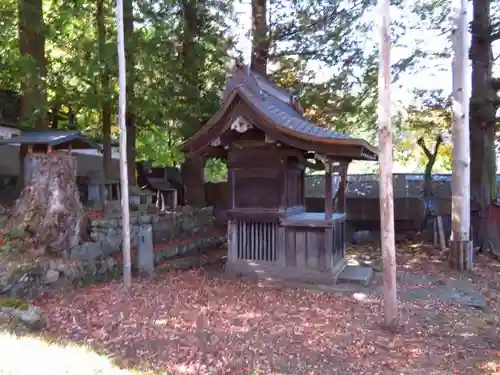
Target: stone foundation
column 106, row 234
column 176, row 234
column 32, row 279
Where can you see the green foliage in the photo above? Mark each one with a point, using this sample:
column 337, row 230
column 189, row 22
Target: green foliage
column 168, row 104
column 426, row 122
column 13, row 303
column 10, row 238
column 215, row 170
column 325, row 50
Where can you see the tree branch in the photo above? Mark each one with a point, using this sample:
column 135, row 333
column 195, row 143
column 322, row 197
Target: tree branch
column 317, row 165
column 421, row 143
column 495, row 32
column 495, row 83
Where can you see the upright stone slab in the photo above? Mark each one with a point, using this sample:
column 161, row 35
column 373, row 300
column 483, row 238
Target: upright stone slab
column 95, row 190
column 146, row 254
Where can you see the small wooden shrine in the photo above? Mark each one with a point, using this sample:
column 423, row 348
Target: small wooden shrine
column 267, row 141
column 36, row 144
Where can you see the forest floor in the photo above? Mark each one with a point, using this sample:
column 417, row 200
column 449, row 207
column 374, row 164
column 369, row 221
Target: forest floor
column 190, row 322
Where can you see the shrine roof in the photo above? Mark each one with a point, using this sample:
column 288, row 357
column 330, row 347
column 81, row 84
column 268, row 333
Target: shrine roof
column 56, row 139
column 278, row 111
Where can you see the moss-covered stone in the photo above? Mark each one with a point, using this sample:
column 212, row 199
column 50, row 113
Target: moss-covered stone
column 13, row 303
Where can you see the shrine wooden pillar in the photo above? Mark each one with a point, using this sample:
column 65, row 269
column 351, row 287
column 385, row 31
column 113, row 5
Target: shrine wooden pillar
column 328, row 190
column 341, row 169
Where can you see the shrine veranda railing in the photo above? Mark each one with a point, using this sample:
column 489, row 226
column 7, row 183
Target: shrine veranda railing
column 308, row 242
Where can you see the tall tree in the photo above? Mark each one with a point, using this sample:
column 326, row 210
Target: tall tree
column 194, row 15
column 260, row 40
column 461, row 246
column 130, row 50
column 105, row 89
column 32, row 48
column 385, row 158
column 482, row 120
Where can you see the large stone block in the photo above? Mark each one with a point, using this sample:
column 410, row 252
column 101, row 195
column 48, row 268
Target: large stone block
column 87, row 251
column 145, row 253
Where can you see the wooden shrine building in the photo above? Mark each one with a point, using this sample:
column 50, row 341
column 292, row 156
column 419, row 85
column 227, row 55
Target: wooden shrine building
column 267, row 141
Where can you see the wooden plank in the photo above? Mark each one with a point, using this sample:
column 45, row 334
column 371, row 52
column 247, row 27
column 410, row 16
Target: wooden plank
column 244, row 244
column 301, row 249
column 273, row 272
column 291, row 248
column 232, row 241
column 320, row 244
column 328, row 241
column 281, row 246
column 312, row 240
column 230, row 179
column 441, row 233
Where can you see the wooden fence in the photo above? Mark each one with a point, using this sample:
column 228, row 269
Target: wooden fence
column 366, row 185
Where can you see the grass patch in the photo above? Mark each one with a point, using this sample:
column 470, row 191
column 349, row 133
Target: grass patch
column 29, row 355
column 13, row 303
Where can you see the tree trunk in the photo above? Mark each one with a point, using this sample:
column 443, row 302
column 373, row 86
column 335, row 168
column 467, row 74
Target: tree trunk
column 128, row 19
column 54, row 114
column 385, row 159
column 482, row 123
column 193, row 12
column 460, row 255
column 431, row 160
column 106, row 111
column 124, row 171
column 32, row 46
column 193, row 179
column 49, row 211
column 260, row 40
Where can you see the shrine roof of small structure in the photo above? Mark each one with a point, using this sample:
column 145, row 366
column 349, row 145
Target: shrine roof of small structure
column 277, row 113
column 57, row 139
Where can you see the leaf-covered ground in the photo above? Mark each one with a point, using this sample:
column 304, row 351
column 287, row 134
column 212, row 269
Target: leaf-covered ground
column 190, row 323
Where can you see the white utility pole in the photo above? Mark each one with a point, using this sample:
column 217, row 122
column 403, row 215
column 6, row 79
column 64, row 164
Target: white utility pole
column 122, row 103
column 461, row 251
column 385, row 160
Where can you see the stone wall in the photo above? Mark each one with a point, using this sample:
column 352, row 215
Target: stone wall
column 106, row 234
column 30, row 279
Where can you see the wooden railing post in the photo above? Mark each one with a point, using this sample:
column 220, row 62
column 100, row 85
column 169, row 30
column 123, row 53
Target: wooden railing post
column 328, row 190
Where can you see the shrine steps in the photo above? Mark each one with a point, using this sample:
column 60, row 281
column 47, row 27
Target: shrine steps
column 358, row 275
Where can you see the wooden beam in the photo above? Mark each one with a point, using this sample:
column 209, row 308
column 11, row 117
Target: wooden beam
column 328, row 191
column 342, row 171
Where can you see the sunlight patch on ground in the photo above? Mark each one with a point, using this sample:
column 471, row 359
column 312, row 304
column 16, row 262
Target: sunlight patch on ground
column 33, row 356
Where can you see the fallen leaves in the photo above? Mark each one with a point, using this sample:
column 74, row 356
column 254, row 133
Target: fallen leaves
column 187, row 322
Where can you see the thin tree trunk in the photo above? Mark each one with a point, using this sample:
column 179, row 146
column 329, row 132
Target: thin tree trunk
column 385, row 158
column 32, row 44
column 482, row 122
column 104, row 90
column 122, row 107
column 54, row 114
column 130, row 116
column 260, row 40
column 461, row 246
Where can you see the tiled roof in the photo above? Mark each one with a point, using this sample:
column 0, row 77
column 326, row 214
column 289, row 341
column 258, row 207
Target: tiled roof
column 283, row 114
column 275, row 103
column 52, row 138
column 279, row 110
